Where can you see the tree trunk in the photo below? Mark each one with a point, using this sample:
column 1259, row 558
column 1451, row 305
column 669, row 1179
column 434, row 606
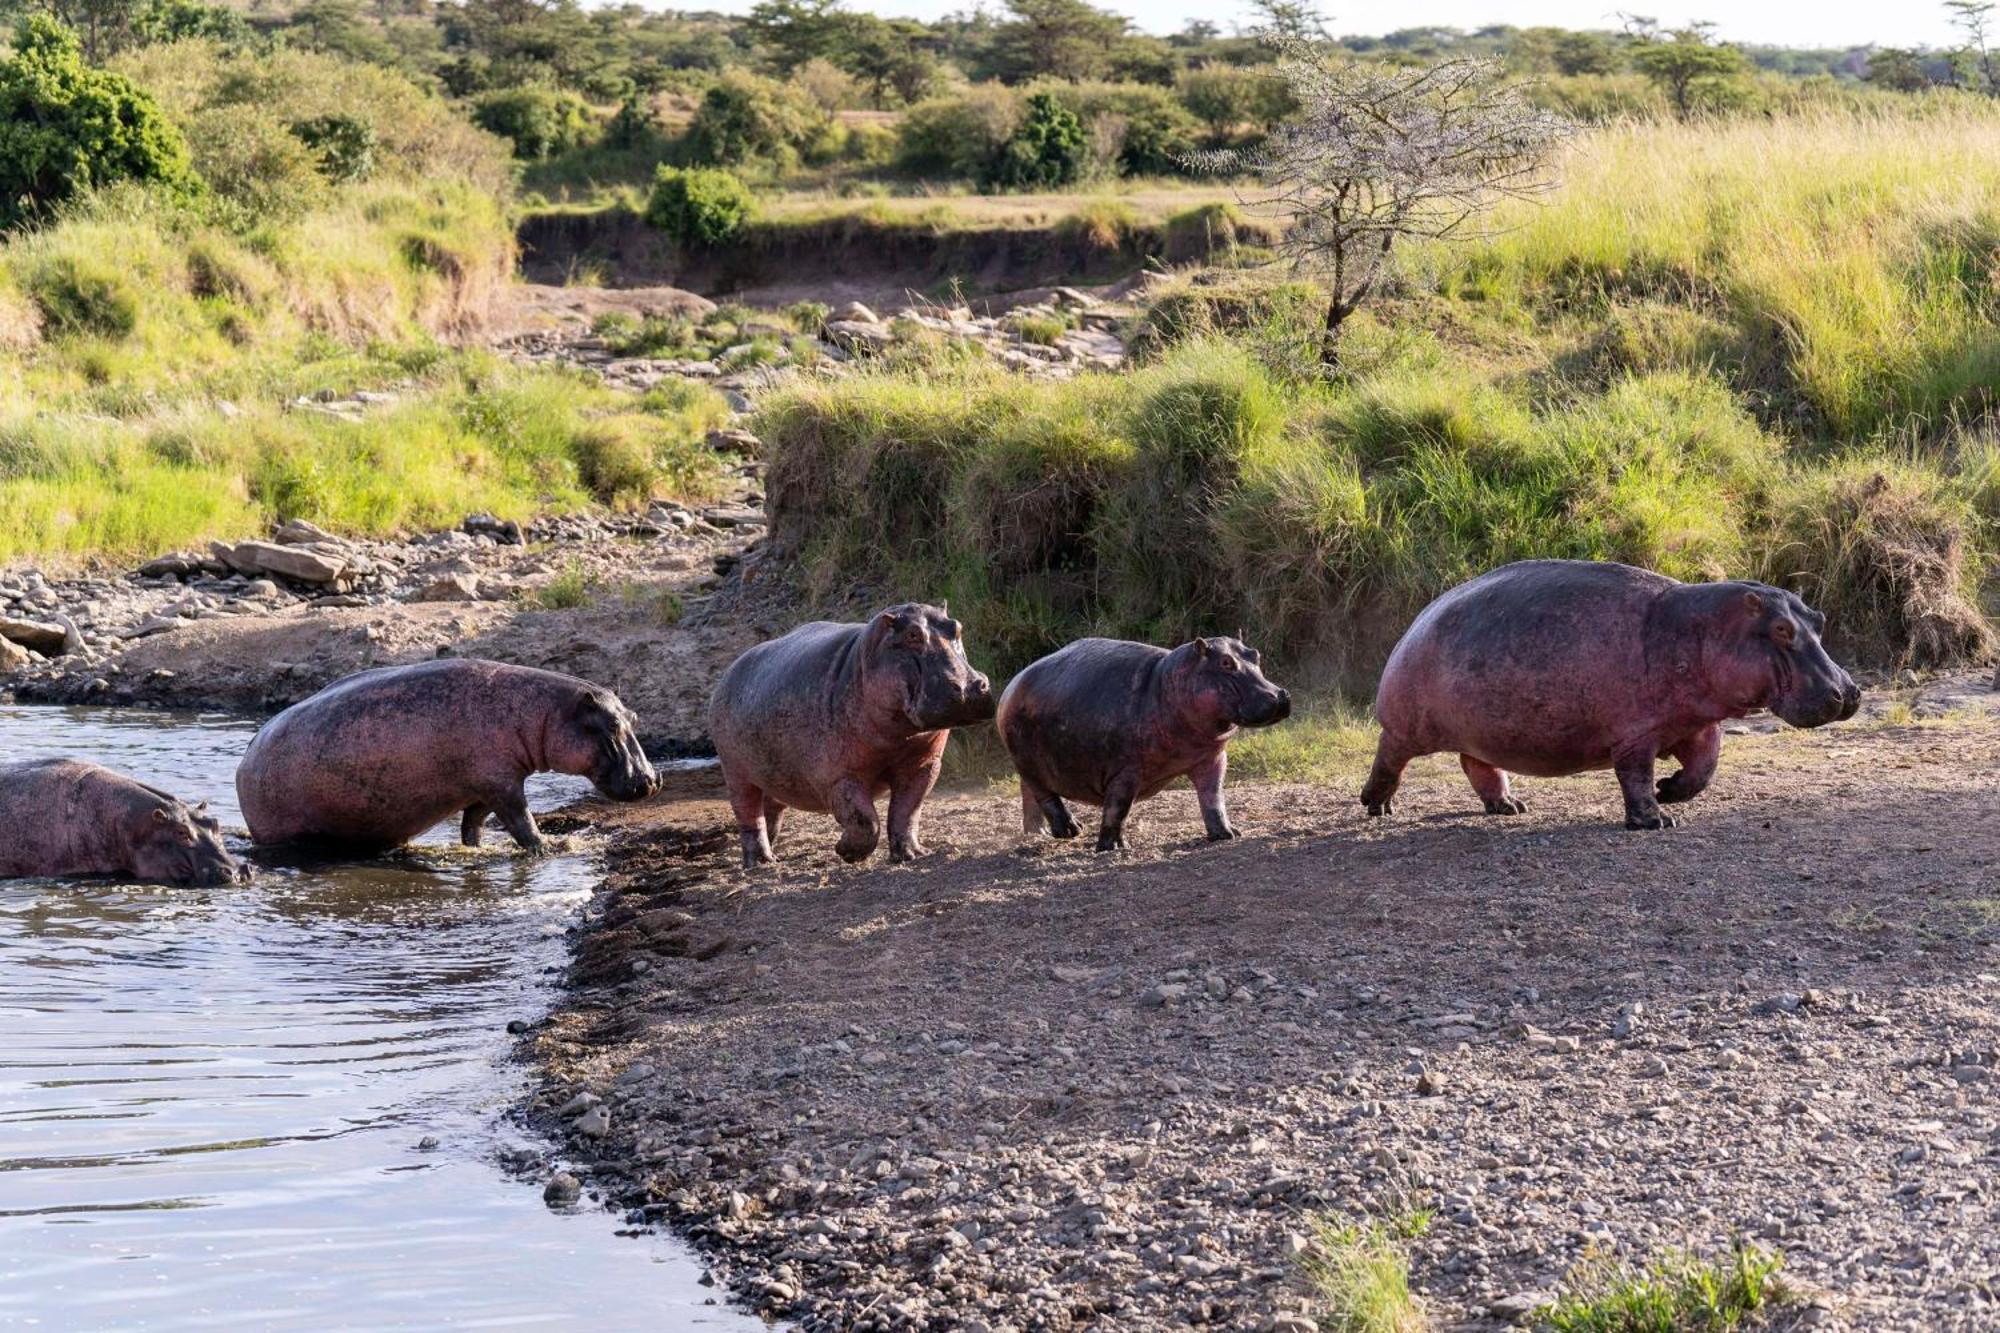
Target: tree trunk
column 1329, row 335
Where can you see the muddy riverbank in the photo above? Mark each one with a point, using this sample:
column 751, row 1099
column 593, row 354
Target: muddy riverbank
column 1017, row 1085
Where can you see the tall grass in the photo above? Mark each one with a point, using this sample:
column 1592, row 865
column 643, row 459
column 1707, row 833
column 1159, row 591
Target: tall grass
column 1201, row 494
column 1862, row 244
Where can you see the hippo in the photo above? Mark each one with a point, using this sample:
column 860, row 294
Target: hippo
column 66, row 817
column 1552, row 667
column 830, row 716
column 373, row 760
column 1112, row 722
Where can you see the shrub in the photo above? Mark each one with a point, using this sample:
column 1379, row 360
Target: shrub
column 343, row 145
column 698, row 205
column 958, row 137
column 254, row 163
column 745, row 117
column 539, row 122
column 1152, row 133
column 625, row 459
column 1047, row 149
column 66, row 127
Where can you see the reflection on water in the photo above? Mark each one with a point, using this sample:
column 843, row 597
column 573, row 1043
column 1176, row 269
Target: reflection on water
column 212, row 1101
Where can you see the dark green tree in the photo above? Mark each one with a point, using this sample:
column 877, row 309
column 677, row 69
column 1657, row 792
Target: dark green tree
column 66, row 126
column 1048, row 148
column 1688, row 64
column 791, row 32
column 1899, row 68
column 1062, row 39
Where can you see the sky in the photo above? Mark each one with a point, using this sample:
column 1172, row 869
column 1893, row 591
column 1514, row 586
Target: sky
column 1838, row 23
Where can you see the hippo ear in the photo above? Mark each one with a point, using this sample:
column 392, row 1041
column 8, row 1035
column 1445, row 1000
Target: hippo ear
column 1753, row 603
column 1201, row 647
column 945, row 606
column 161, row 817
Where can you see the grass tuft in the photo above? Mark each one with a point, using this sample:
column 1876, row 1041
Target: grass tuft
column 1360, row 1278
column 1676, row 1293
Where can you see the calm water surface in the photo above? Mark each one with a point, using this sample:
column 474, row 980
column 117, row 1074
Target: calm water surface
column 212, row 1100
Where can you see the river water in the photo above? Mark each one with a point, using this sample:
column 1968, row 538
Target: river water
column 214, row 1102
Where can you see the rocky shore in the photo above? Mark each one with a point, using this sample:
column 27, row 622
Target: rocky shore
column 1020, row 1086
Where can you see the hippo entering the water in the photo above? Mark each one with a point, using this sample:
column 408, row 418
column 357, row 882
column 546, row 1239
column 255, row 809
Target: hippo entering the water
column 829, row 717
column 372, row 761
column 62, row 817
column 1552, row 667
column 1112, row 723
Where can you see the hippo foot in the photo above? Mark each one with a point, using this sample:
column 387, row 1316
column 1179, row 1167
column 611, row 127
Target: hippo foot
column 1111, row 842
column 1507, row 805
column 854, row 852
column 1222, row 832
column 1671, row 793
column 1656, row 820
column 1064, row 828
column 901, row 852
column 1376, row 809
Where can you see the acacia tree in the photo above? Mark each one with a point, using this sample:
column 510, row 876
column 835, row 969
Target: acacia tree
column 1689, row 64
column 1379, row 154
column 1974, row 18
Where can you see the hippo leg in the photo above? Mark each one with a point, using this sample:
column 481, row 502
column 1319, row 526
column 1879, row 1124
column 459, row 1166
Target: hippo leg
column 773, row 812
column 1698, row 754
column 1207, row 781
column 1040, row 806
column 1387, row 775
column 907, row 790
column 512, row 811
column 854, row 807
column 1634, row 767
column 754, row 823
column 470, row 826
column 1493, row 788
column 1118, row 798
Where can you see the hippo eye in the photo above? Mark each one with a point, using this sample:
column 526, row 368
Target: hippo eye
column 1229, row 664
column 1783, row 633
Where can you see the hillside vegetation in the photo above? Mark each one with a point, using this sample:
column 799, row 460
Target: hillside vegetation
column 153, row 346
column 1761, row 349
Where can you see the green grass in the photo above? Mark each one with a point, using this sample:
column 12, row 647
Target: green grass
column 1676, row 1293
column 1359, row 1278
column 568, row 590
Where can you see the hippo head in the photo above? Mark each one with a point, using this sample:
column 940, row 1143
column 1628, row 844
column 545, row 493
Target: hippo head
column 916, row 663
column 594, row 738
column 1222, row 681
column 1769, row 656
column 177, row 845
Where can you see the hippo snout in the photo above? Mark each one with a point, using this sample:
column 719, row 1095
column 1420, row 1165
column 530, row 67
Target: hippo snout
column 1850, row 701
column 1269, row 710
column 980, row 704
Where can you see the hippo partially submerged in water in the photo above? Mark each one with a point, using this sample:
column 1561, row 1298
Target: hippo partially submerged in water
column 1111, row 723
column 829, row 717
column 372, row 761
column 1552, row 667
column 62, row 817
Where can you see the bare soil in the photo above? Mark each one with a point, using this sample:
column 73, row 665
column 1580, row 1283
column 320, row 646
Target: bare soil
column 1019, row 1085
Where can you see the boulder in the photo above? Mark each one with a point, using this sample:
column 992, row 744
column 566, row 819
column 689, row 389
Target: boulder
column 728, row 441
column 855, row 312
column 450, row 588
column 39, row 635
column 12, row 656
column 293, row 562
column 298, row 532
column 862, row 334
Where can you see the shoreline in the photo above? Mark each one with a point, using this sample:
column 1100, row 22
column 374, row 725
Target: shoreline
column 1020, row 1086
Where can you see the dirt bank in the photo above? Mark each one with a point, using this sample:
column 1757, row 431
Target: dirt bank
column 1018, row 1085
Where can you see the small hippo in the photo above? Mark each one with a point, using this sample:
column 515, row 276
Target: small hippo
column 1111, row 723
column 65, row 817
column 1552, row 667
column 830, row 716
column 373, row 760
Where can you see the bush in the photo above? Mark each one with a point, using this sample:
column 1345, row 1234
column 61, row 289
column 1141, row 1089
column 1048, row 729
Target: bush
column 698, row 205
column 958, row 137
column 1047, row 150
column 254, row 163
column 66, row 127
column 1148, row 132
column 81, row 295
column 539, row 122
column 745, row 117
column 343, row 145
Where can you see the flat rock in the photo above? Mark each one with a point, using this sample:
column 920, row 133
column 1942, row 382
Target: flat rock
column 41, row 636
column 293, row 562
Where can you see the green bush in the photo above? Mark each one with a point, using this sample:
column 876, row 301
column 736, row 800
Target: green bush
column 958, row 137
column 745, row 117
column 343, row 145
column 539, row 122
column 1150, row 132
column 698, row 205
column 1047, row 150
column 255, row 164
column 81, row 295
column 65, row 126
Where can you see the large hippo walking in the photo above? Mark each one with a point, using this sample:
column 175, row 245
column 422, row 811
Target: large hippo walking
column 829, row 717
column 1111, row 723
column 1551, row 667
column 372, row 761
column 65, row 817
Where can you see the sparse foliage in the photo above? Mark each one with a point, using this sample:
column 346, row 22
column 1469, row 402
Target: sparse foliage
column 1379, row 154
column 1974, row 18
column 1687, row 63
